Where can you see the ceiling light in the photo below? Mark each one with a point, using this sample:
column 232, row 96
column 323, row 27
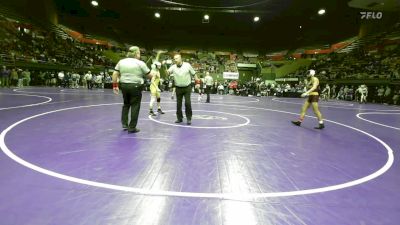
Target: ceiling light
column 95, row 3
column 321, row 12
column 206, row 17
column 157, row 15
column 256, row 19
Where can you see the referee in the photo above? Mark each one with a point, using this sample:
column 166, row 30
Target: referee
column 131, row 72
column 182, row 73
column 208, row 80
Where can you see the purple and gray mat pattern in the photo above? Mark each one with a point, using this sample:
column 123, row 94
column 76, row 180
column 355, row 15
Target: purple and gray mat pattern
column 66, row 160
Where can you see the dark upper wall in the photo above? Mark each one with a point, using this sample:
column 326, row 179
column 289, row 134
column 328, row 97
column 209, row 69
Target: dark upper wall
column 37, row 10
column 225, row 31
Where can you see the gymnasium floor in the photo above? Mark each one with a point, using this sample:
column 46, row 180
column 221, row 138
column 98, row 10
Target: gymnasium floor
column 66, row 160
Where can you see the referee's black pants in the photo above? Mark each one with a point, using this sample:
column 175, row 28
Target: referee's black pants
column 208, row 91
column 180, row 93
column 132, row 95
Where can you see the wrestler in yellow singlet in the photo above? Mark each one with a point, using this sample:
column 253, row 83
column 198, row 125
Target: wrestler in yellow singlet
column 155, row 92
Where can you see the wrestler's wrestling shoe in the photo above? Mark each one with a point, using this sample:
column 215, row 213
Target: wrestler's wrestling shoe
column 159, row 111
column 320, row 126
column 151, row 113
column 297, row 123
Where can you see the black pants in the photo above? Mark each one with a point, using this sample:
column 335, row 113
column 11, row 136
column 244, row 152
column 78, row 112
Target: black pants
column 132, row 94
column 14, row 82
column 180, row 92
column 208, row 91
column 89, row 84
column 5, row 81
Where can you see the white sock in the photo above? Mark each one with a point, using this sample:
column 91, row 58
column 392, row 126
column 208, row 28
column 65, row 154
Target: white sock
column 152, row 100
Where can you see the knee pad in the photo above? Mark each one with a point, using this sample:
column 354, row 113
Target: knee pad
column 158, row 99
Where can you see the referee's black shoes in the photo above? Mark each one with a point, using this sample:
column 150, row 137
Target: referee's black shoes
column 135, row 130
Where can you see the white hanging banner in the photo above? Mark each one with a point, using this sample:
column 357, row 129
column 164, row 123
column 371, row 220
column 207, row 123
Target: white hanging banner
column 231, row 75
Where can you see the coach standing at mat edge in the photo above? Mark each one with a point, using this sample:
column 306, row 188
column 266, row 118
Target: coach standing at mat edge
column 131, row 72
column 182, row 73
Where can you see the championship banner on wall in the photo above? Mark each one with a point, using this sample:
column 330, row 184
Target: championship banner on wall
column 287, row 79
column 246, row 65
column 222, row 53
column 187, row 51
column 231, row 75
column 250, row 54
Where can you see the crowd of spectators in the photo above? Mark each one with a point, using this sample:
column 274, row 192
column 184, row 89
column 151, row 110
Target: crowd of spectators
column 378, row 67
column 19, row 78
column 23, row 42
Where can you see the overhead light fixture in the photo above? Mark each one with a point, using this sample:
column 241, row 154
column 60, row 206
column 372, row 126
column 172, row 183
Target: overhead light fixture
column 157, row 15
column 256, row 19
column 321, row 11
column 95, row 3
column 300, row 27
column 206, row 19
